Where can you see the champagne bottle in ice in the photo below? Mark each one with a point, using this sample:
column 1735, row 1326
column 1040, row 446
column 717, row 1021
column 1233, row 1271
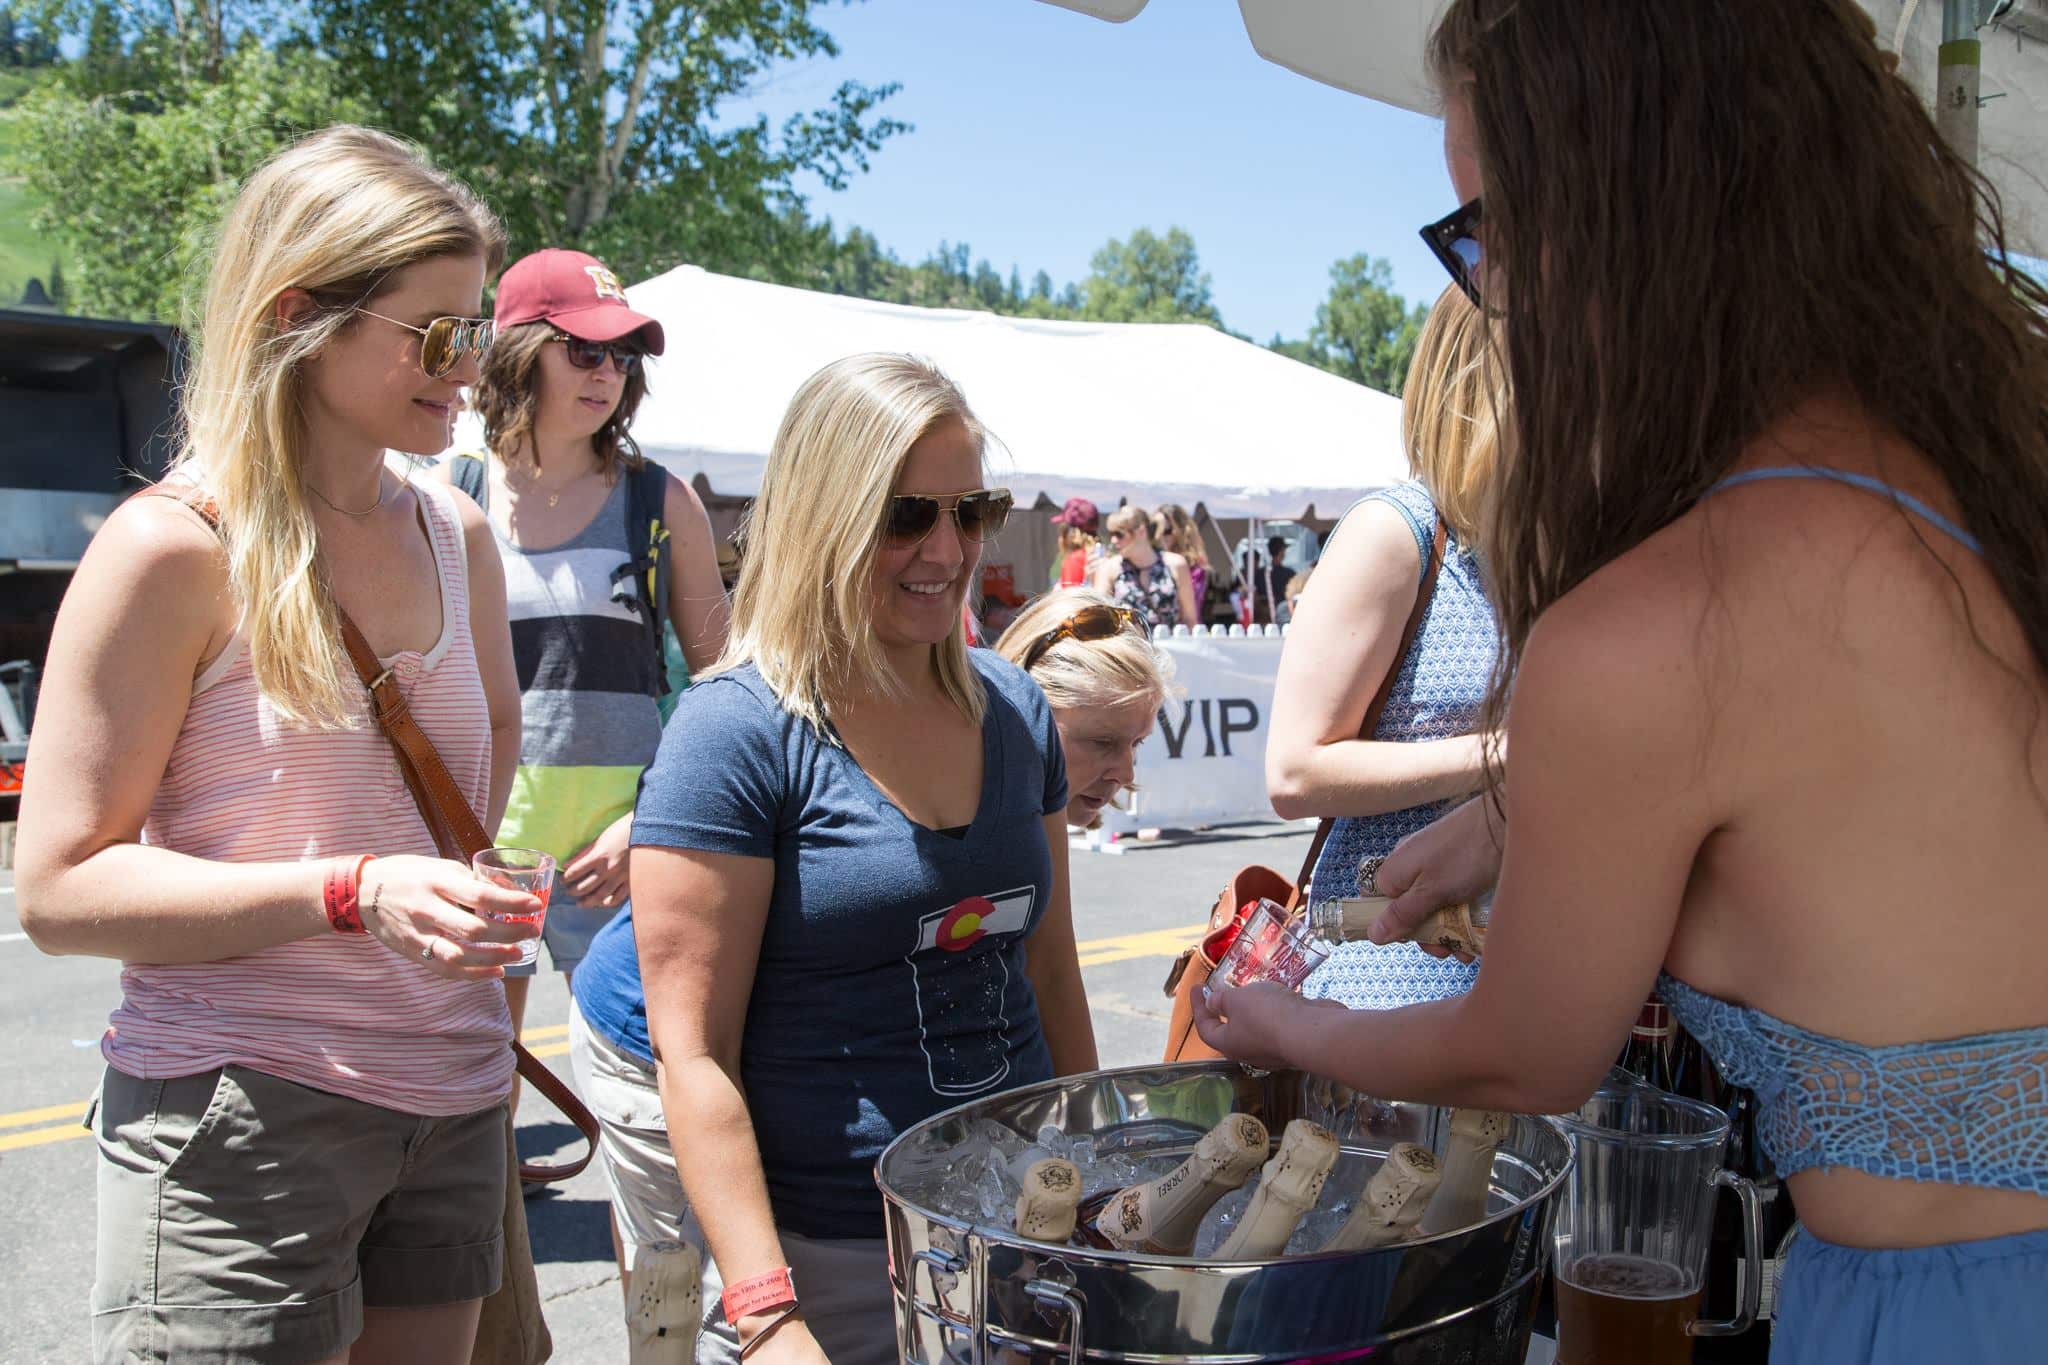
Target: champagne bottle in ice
column 1393, row 1201
column 1288, row 1188
column 1468, row 1170
column 1051, row 1196
column 1162, row 1216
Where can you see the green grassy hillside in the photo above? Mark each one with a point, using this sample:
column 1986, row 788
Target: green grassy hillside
column 24, row 252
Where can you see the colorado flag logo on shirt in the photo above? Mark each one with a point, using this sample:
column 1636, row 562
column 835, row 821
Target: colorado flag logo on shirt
column 962, row 993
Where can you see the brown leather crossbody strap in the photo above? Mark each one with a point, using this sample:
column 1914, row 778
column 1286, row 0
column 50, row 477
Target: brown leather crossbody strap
column 456, row 830
column 459, row 835
column 1378, row 706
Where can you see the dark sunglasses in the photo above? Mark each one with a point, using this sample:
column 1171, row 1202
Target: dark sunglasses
column 1089, row 623
column 979, row 515
column 444, row 341
column 1453, row 242
column 588, row 355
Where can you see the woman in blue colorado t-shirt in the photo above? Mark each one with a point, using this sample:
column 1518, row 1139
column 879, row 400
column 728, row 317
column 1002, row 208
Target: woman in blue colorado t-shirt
column 849, row 874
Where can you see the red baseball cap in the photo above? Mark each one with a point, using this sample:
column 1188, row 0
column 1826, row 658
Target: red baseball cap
column 576, row 293
column 1078, row 512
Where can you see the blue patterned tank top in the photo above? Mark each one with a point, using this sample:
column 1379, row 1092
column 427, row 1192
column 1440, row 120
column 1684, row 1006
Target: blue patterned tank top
column 1967, row 1111
column 1436, row 695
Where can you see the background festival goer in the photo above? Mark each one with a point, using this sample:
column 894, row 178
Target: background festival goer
column 854, row 829
column 1174, row 530
column 1078, row 522
column 1134, row 574
column 1426, row 750
column 1767, row 557
column 302, row 1127
column 1105, row 682
column 557, row 396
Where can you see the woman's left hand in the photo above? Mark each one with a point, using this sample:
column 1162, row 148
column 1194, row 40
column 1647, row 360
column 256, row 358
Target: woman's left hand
column 597, row 875
column 1261, row 1024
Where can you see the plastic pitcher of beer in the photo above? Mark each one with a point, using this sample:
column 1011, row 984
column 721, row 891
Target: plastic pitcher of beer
column 1633, row 1226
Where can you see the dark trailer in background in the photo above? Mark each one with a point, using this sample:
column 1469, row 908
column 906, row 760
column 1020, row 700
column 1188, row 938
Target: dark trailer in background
column 85, row 420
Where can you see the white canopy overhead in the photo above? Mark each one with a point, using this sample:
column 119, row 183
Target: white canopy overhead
column 1151, row 413
column 1375, row 48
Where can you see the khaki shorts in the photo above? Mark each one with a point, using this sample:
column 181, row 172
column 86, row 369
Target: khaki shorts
column 243, row 1218
column 844, row 1285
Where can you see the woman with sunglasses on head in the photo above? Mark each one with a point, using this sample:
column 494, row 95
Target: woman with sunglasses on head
column 1175, row 532
column 1105, row 683
column 302, row 1129
column 1427, row 750
column 849, row 877
column 1767, row 553
column 1152, row 582
column 574, row 508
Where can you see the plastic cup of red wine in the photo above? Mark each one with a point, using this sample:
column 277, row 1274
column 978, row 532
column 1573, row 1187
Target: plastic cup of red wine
column 519, row 869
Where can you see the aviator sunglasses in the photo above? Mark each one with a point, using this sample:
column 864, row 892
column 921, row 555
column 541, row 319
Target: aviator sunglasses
column 588, row 355
column 979, row 515
column 1451, row 239
column 1089, row 623
column 444, row 341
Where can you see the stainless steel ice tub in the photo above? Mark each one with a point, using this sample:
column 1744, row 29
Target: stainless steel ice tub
column 977, row 1294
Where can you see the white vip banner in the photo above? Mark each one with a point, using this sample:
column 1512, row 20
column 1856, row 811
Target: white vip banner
column 1205, row 764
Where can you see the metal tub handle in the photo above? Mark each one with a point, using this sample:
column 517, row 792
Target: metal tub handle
column 936, row 1262
column 1051, row 1294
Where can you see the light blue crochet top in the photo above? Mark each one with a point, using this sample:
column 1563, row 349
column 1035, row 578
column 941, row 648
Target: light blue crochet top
column 1437, row 694
column 1966, row 1111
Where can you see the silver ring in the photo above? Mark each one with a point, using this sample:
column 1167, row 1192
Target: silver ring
column 427, row 953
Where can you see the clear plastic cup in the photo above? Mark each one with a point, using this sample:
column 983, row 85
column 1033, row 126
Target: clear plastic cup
column 519, row 869
column 1272, row 945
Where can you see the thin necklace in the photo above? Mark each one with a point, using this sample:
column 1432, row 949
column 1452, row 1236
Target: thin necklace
column 383, row 497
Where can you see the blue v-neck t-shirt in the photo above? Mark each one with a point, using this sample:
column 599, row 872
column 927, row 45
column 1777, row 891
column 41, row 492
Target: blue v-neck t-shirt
column 891, row 980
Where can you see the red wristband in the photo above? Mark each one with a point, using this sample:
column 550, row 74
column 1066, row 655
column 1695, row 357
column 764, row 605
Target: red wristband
column 752, row 1295
column 338, row 894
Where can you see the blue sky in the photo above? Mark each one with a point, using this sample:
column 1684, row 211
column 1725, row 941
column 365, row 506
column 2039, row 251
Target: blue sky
column 1041, row 133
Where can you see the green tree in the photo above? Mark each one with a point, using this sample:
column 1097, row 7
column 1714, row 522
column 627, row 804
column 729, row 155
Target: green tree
column 603, row 124
column 1149, row 279
column 134, row 187
column 1364, row 330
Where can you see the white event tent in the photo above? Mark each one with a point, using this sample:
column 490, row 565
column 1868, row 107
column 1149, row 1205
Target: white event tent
column 1146, row 413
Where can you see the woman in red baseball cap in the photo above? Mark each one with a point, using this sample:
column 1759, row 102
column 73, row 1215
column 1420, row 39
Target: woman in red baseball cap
column 600, row 548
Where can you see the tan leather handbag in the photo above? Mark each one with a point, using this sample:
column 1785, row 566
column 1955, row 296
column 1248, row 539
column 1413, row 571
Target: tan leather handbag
column 1248, row 885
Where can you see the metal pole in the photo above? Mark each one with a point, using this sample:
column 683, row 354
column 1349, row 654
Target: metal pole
column 1960, row 61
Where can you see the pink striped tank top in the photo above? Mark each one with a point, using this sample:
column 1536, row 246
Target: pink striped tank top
column 339, row 1012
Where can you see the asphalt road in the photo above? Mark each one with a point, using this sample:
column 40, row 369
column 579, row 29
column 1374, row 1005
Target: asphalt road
column 1133, row 912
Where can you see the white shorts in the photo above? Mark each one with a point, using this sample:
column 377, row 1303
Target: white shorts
column 844, row 1284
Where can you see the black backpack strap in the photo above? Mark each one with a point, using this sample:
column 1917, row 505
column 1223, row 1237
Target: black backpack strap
column 647, row 535
column 467, row 473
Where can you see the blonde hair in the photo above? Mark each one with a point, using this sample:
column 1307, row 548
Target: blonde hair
column 335, row 214
column 1129, row 517
column 803, row 613
column 1450, row 412
column 1074, row 538
column 1075, row 674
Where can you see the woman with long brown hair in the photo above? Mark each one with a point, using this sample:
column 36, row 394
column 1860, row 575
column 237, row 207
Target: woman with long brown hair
column 599, row 547
column 1767, row 556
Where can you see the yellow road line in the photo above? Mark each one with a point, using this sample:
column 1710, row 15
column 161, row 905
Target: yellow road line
column 1094, row 953
column 1155, row 943
column 36, row 1137
column 44, row 1115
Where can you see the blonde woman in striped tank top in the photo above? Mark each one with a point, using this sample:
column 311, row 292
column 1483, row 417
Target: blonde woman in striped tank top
column 303, row 1116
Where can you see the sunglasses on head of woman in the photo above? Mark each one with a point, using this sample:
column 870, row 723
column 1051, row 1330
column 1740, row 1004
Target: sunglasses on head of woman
column 1089, row 623
column 979, row 515
column 444, row 341
column 588, row 355
column 1453, row 241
